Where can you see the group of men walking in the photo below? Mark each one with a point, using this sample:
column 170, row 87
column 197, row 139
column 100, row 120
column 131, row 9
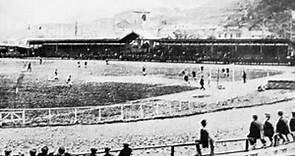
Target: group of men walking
column 284, row 130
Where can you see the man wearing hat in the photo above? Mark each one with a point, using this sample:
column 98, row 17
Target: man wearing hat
column 126, row 151
column 33, row 152
column 44, row 151
column 7, row 152
column 268, row 129
column 282, row 128
column 93, row 151
column 292, row 124
column 205, row 139
column 62, row 152
column 107, row 152
column 255, row 132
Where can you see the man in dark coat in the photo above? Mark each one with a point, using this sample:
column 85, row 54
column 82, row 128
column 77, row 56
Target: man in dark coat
column 282, row 128
column 194, row 75
column 244, row 76
column 33, row 152
column 202, row 82
column 268, row 129
column 205, row 139
column 93, row 151
column 7, row 152
column 62, row 152
column 126, row 151
column 255, row 132
column 44, row 151
column 292, row 125
column 29, row 69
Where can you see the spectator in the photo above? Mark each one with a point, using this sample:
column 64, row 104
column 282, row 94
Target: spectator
column 194, row 74
column 107, row 152
column 268, row 129
column 93, row 151
column 29, row 69
column 44, row 151
column 143, row 71
column 33, row 152
column 61, row 151
column 55, row 75
column 205, row 139
column 85, row 64
column 202, row 82
column 41, row 60
column 126, row 151
column 292, row 125
column 78, row 64
column 185, row 77
column 255, row 132
column 244, row 76
column 223, row 72
column 202, row 68
column 227, row 72
column 282, row 129
column 69, row 81
column 7, row 152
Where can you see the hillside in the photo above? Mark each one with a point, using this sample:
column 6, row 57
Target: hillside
column 161, row 22
column 269, row 15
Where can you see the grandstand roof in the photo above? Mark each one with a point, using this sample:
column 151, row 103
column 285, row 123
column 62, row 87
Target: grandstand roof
column 129, row 37
column 12, row 45
column 223, row 40
column 71, row 40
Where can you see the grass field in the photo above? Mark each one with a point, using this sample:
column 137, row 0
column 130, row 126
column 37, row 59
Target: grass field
column 118, row 82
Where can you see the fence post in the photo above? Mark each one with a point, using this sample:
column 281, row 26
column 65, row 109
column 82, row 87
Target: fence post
column 157, row 109
column 49, row 114
column 170, row 107
column 172, row 150
column 247, row 145
column 76, row 116
column 180, row 105
column 141, row 111
column 99, row 114
column 24, row 116
column 122, row 112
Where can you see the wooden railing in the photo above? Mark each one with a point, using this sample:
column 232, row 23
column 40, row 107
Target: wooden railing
column 245, row 151
column 173, row 147
column 288, row 149
column 116, row 113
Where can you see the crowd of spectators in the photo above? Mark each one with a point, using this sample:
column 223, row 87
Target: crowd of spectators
column 126, row 151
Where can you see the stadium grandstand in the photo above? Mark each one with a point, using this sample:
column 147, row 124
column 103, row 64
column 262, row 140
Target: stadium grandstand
column 11, row 50
column 133, row 47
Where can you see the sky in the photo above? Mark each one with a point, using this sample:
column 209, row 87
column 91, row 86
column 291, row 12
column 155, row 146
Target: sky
column 19, row 14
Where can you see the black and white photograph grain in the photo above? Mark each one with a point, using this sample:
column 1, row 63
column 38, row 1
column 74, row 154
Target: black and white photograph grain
column 147, row 77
